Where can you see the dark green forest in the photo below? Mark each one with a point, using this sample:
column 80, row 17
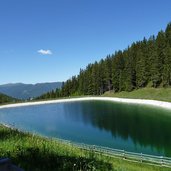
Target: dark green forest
column 6, row 99
column 145, row 63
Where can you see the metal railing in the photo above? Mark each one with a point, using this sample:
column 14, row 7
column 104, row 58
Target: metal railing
column 131, row 156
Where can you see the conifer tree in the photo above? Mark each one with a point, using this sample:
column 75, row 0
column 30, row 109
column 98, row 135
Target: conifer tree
column 115, row 71
column 168, row 34
column 167, row 67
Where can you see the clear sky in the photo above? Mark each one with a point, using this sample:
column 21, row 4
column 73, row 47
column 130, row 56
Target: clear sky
column 50, row 40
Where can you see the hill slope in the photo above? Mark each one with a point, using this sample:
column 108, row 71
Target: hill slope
column 161, row 94
column 6, row 99
column 25, row 91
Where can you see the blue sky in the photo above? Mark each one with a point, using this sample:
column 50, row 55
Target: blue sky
column 50, row 40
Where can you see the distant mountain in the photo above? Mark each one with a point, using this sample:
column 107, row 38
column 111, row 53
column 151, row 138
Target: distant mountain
column 26, row 91
column 6, row 99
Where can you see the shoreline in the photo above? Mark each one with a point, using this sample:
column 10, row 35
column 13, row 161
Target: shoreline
column 162, row 104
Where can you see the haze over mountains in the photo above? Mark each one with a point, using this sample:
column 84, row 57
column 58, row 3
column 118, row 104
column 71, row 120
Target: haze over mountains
column 26, row 91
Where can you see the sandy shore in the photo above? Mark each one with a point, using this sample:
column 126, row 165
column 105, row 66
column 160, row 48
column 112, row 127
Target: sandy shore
column 156, row 103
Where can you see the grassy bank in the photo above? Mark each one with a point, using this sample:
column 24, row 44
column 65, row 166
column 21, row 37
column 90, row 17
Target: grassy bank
column 162, row 94
column 40, row 154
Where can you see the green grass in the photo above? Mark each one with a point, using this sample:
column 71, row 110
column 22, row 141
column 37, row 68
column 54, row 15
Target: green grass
column 41, row 154
column 162, row 94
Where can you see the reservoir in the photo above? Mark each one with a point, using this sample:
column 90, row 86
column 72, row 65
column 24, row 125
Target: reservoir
column 130, row 127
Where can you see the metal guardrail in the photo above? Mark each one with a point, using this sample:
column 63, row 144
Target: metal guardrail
column 131, row 156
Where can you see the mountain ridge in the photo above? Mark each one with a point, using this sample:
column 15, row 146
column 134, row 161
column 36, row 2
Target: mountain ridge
column 26, row 91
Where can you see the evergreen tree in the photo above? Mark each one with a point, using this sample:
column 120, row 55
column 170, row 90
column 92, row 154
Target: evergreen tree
column 95, row 79
column 102, row 80
column 121, row 68
column 141, row 75
column 108, row 73
column 168, row 34
column 151, row 48
column 167, row 67
column 115, row 71
column 130, row 73
column 155, row 73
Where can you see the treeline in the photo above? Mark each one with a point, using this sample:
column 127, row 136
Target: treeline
column 144, row 63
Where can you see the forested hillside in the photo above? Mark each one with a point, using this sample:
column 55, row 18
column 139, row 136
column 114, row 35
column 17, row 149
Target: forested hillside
column 144, row 63
column 6, row 99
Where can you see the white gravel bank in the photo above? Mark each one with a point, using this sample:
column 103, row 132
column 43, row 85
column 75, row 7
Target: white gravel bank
column 162, row 104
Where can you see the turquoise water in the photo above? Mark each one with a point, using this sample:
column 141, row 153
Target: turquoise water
column 135, row 128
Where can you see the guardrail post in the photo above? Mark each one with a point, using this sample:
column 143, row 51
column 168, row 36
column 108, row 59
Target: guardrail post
column 93, row 147
column 123, row 154
column 162, row 162
column 141, row 158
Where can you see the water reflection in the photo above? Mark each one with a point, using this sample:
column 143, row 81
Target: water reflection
column 146, row 126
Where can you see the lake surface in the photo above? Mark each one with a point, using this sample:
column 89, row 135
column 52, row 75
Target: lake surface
column 130, row 127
